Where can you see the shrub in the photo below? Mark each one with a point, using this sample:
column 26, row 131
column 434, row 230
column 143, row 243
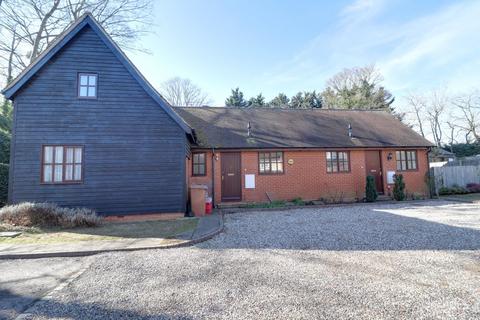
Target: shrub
column 453, row 190
column 298, row 201
column 3, row 184
column 370, row 190
column 399, row 188
column 48, row 215
column 473, row 187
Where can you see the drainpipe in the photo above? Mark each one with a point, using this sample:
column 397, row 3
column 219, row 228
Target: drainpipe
column 213, row 177
column 431, row 182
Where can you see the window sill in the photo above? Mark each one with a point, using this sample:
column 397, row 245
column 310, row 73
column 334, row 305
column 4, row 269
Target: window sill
column 60, row 183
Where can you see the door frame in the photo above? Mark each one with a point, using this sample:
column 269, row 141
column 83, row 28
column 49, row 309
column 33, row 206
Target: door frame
column 382, row 187
column 222, row 186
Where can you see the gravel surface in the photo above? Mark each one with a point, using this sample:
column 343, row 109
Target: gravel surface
column 24, row 281
column 373, row 261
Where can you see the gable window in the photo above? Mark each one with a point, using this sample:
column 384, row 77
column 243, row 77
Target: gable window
column 199, row 164
column 406, row 160
column 87, row 85
column 270, row 162
column 338, row 161
column 62, row 164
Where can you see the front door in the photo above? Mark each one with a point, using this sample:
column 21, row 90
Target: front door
column 231, row 176
column 373, row 166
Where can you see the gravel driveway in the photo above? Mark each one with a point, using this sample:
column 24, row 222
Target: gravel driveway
column 371, row 261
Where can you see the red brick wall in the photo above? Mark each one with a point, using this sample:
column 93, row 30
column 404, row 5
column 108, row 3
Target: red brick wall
column 414, row 180
column 307, row 177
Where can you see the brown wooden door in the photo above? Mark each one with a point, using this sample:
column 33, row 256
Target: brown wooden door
column 231, row 176
column 373, row 165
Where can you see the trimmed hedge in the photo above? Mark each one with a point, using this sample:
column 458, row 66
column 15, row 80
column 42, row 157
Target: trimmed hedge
column 370, row 190
column 399, row 188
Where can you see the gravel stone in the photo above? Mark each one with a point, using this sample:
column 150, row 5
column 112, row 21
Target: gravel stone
column 379, row 261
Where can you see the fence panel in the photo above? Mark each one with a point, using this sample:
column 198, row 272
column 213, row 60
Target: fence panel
column 449, row 176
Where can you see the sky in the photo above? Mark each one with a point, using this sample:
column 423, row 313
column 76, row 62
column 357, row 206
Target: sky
column 273, row 46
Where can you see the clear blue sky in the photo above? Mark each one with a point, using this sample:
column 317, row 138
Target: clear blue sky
column 273, row 46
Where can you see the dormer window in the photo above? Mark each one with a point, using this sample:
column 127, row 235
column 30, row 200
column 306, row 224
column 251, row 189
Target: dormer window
column 87, row 85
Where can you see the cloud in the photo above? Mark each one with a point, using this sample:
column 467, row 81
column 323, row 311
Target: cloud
column 419, row 52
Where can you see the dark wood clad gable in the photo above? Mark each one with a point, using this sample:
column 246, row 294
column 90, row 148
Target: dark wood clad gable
column 134, row 152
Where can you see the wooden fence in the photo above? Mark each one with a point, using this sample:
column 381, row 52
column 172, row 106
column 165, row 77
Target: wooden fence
column 448, row 176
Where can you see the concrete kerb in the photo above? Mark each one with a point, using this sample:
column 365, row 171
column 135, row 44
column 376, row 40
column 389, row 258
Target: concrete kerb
column 185, row 243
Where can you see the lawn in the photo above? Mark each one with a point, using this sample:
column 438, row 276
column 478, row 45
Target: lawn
column 472, row 197
column 106, row 231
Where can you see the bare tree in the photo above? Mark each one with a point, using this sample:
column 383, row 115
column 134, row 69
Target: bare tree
column 27, row 27
column 418, row 105
column 435, row 115
column 469, row 119
column 183, row 92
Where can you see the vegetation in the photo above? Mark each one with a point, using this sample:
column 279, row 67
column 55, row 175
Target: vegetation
column 452, row 190
column 462, row 150
column 399, row 188
column 357, row 88
column 257, row 102
column 3, row 183
column 236, row 99
column 370, row 190
column 272, row 204
column 48, row 215
column 473, row 187
column 183, row 92
column 298, row 201
column 164, row 230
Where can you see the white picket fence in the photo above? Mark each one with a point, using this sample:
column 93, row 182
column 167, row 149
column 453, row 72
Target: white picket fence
column 449, row 176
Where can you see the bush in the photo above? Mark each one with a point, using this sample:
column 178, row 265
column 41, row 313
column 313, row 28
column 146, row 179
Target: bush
column 370, row 190
column 3, row 184
column 298, row 201
column 453, row 190
column 473, row 187
column 399, row 188
column 48, row 215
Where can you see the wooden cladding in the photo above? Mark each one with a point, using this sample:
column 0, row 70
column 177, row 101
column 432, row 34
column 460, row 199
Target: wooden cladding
column 62, row 164
column 87, row 85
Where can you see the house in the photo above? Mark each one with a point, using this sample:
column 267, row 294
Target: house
column 254, row 155
column 440, row 155
column 89, row 130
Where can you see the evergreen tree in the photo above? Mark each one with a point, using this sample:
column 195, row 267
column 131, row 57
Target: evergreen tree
column 280, row 101
column 357, row 88
column 6, row 114
column 370, row 190
column 306, row 100
column 257, row 102
column 399, row 188
column 236, row 99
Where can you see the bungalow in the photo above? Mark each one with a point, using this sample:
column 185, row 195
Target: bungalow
column 89, row 130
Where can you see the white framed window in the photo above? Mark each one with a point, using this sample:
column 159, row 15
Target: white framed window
column 87, row 85
column 62, row 164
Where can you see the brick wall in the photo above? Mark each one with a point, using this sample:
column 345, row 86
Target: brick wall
column 307, row 177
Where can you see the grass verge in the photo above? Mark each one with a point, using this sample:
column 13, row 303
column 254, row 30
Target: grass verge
column 473, row 197
column 107, row 231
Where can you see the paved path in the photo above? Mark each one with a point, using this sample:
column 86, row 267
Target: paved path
column 22, row 282
column 206, row 227
column 400, row 261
